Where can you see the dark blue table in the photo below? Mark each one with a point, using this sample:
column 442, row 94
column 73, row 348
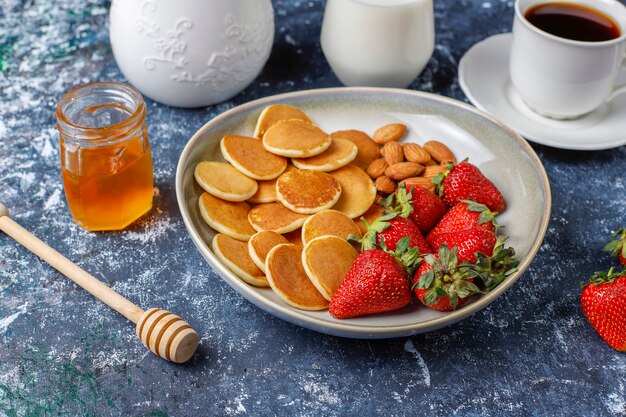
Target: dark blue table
column 62, row 353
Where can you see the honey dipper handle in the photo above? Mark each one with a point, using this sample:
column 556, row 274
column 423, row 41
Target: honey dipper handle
column 68, row 268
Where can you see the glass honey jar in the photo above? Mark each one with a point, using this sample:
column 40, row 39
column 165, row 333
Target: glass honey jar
column 105, row 155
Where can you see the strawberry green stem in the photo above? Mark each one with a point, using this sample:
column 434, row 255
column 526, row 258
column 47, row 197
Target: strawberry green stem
column 618, row 245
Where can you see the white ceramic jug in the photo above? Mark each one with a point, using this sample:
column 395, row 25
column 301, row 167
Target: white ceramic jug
column 191, row 53
column 379, row 43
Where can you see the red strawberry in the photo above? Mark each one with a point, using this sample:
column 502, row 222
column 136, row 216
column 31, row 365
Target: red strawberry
column 376, row 282
column 442, row 282
column 423, row 207
column 467, row 242
column 494, row 269
column 465, row 215
column 388, row 229
column 464, row 181
column 603, row 301
column 617, row 247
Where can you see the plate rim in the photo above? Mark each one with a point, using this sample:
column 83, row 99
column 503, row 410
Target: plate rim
column 297, row 317
column 468, row 91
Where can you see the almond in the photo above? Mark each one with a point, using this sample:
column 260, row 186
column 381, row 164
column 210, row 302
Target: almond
column 432, row 171
column 439, row 152
column 385, row 185
column 404, row 170
column 377, row 168
column 393, row 153
column 389, row 133
column 421, row 181
column 415, row 153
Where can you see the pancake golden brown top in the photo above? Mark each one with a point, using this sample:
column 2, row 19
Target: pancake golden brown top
column 329, row 222
column 306, row 191
column 275, row 217
column 326, row 261
column 340, row 153
column 230, row 218
column 224, row 181
column 357, row 191
column 261, row 243
column 234, row 253
column 368, row 149
column 275, row 113
column 287, row 278
column 250, row 157
column 296, row 139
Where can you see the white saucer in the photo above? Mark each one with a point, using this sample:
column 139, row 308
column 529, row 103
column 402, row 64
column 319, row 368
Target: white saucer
column 484, row 78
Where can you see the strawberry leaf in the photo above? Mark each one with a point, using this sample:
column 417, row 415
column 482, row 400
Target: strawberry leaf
column 352, row 238
column 438, row 179
column 467, row 288
column 402, row 246
column 431, row 296
column 431, row 259
column 369, row 240
column 454, row 300
column 492, row 270
column 485, row 216
column 407, row 255
column 601, row 277
column 614, row 247
column 399, row 202
column 425, row 280
column 448, row 257
column 404, row 205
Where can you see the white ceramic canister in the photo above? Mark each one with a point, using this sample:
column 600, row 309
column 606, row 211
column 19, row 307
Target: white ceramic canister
column 191, row 53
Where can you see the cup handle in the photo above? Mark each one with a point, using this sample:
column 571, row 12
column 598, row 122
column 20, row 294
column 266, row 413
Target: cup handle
column 620, row 89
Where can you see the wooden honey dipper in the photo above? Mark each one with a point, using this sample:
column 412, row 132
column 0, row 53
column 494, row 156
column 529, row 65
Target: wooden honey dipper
column 164, row 333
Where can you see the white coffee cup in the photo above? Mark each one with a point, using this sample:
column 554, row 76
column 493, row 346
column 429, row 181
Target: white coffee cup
column 563, row 78
column 382, row 43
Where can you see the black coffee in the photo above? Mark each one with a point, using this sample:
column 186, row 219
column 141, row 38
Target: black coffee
column 573, row 21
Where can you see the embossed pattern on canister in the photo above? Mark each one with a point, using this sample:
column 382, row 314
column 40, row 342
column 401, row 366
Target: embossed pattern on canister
column 191, row 53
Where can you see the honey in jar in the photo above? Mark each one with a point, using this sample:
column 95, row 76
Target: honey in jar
column 105, row 155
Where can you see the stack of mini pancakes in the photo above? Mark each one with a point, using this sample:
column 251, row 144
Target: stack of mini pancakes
column 284, row 204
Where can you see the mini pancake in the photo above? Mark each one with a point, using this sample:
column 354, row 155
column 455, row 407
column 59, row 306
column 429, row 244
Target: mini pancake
column 368, row 149
column 328, row 222
column 296, row 139
column 372, row 213
column 286, row 276
column 326, row 261
column 230, row 218
column 234, row 254
column 275, row 113
column 357, row 191
column 261, row 243
column 305, row 191
column 275, row 217
column 224, row 181
column 250, row 157
column 295, row 237
column 266, row 192
column 340, row 153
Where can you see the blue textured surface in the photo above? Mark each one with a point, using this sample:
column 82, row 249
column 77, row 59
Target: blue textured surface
column 61, row 353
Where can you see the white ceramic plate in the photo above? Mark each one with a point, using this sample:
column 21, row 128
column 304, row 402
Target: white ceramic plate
column 503, row 156
column 484, row 78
